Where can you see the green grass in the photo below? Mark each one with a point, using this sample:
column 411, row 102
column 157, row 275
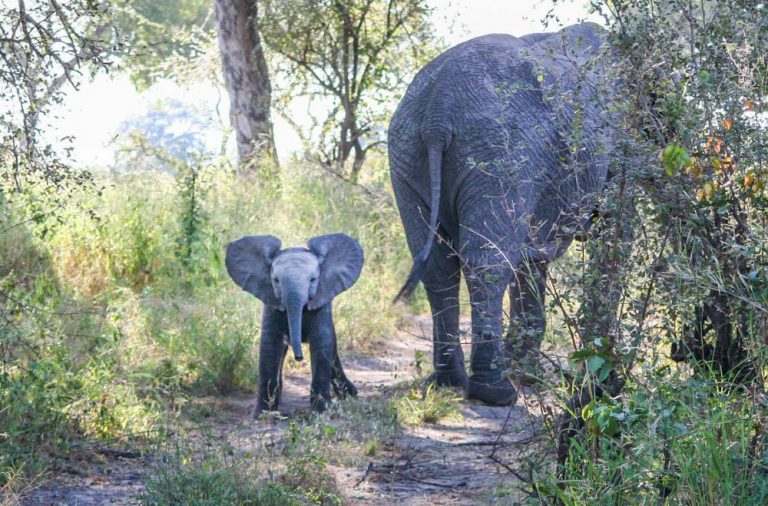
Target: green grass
column 430, row 406
column 117, row 313
column 215, row 481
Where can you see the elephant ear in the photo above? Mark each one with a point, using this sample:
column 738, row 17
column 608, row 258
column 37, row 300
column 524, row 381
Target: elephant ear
column 341, row 259
column 249, row 261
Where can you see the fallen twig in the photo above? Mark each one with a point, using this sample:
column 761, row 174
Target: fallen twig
column 495, row 442
column 432, row 483
column 368, row 470
column 113, row 452
column 509, row 468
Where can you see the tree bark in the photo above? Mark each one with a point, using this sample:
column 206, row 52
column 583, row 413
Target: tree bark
column 246, row 77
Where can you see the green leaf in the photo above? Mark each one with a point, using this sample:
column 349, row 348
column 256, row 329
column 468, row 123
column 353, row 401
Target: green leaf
column 578, row 356
column 604, row 372
column 589, row 410
column 595, row 362
column 674, row 158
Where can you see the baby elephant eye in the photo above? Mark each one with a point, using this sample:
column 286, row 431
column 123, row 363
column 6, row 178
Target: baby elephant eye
column 276, row 281
column 312, row 280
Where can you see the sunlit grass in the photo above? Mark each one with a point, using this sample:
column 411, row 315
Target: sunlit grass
column 430, row 406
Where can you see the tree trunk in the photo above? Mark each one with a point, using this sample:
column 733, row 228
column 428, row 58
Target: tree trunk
column 246, row 77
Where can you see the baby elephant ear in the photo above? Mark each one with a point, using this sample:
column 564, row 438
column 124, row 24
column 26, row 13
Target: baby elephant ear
column 249, row 262
column 341, row 259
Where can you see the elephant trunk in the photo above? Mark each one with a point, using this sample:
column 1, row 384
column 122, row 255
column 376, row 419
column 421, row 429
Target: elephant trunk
column 294, row 306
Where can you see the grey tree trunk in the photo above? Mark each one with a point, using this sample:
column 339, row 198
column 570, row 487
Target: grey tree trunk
column 246, row 77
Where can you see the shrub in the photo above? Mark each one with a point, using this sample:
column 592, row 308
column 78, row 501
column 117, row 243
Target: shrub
column 691, row 442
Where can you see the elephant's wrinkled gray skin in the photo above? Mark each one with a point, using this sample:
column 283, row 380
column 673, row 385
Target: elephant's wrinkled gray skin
column 297, row 286
column 496, row 152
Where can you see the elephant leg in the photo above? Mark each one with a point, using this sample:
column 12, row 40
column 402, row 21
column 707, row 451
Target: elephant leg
column 322, row 348
column 489, row 381
column 342, row 387
column 527, row 320
column 442, row 275
column 442, row 283
column 272, row 351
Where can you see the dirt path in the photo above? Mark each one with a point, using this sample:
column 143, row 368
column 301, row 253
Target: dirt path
column 443, row 463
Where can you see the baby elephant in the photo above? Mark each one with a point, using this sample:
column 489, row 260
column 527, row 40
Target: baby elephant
column 297, row 286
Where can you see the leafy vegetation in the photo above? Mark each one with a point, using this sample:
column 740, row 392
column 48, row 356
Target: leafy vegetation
column 168, row 38
column 44, row 47
column 667, row 405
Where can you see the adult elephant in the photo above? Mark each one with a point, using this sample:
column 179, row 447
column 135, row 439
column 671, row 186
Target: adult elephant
column 496, row 153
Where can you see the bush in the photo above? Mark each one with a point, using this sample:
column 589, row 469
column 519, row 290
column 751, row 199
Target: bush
column 691, row 442
column 52, row 397
column 690, row 186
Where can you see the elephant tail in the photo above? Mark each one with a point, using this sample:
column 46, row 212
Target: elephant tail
column 435, row 157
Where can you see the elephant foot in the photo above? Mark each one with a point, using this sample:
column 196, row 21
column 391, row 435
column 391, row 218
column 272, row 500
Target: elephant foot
column 319, row 403
column 261, row 406
column 344, row 388
column 526, row 374
column 258, row 411
column 496, row 393
column 455, row 378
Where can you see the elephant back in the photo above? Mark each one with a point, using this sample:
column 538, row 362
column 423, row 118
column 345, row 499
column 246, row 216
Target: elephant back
column 533, row 112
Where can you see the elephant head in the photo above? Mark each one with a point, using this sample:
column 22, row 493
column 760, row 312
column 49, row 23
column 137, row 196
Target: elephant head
column 295, row 278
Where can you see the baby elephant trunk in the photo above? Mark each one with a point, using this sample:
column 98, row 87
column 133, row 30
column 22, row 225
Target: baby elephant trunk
column 294, row 305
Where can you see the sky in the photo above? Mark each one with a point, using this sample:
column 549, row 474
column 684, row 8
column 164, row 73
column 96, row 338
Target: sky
column 94, row 113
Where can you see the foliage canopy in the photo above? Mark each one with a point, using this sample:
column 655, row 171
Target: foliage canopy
column 353, row 56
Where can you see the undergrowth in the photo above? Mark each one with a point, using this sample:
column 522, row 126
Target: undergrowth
column 676, row 438
column 217, row 480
